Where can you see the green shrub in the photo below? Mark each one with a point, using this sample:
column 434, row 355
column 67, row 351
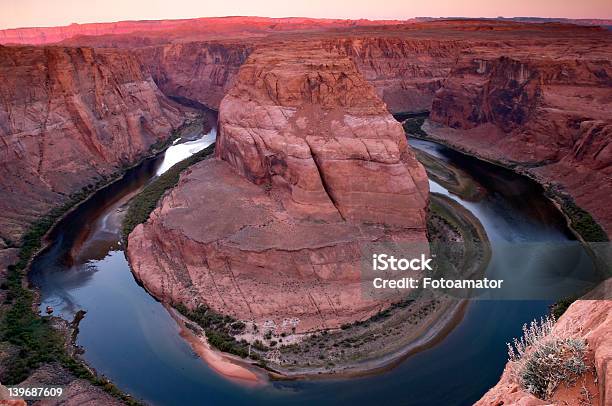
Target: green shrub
column 581, row 221
column 559, row 307
column 218, row 329
column 412, row 125
column 541, row 360
column 551, row 363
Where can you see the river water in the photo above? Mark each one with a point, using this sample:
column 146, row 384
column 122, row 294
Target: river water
column 130, row 337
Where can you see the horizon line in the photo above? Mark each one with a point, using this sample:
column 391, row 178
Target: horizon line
column 498, row 18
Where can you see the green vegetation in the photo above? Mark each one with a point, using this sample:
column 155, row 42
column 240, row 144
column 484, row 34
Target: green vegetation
column 413, row 126
column 218, row 329
column 541, row 359
column 33, row 336
column 412, row 123
column 558, row 308
column 146, row 201
column 34, row 339
column 377, row 317
column 551, row 363
column 582, row 222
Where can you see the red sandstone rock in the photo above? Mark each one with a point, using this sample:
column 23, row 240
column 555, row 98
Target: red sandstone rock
column 195, row 29
column 406, row 72
column 306, row 121
column 548, row 113
column 197, row 71
column 67, row 116
column 221, row 240
column 313, row 166
column 536, row 95
column 587, row 319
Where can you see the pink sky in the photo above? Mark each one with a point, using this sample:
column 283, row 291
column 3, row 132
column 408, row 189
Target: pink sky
column 29, row 13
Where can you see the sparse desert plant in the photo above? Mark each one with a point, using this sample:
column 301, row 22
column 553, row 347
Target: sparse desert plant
column 533, row 334
column 542, row 359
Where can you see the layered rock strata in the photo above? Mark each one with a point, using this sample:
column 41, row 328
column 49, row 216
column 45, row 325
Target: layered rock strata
column 310, row 166
column 197, row 71
column 547, row 116
column 67, row 117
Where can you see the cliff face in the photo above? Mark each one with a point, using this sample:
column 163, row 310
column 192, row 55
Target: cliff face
column 406, row 72
column 48, row 35
column 68, row 116
column 590, row 320
column 307, row 121
column 201, row 72
column 550, row 116
column 310, row 166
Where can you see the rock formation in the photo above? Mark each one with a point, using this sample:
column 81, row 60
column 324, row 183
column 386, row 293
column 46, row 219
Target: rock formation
column 310, row 166
column 197, row 71
column 548, row 114
column 306, row 121
column 67, row 117
column 586, row 319
column 406, row 72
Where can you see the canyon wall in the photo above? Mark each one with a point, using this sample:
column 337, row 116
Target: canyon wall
column 309, row 167
column 548, row 115
column 305, row 119
column 406, row 72
column 307, row 149
column 67, row 117
column 200, row 72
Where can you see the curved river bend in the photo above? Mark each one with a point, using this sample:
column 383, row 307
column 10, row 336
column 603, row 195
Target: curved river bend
column 130, row 337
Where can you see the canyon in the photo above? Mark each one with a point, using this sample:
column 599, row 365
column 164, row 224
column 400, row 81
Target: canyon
column 452, row 68
column 306, row 150
column 68, row 118
column 307, row 146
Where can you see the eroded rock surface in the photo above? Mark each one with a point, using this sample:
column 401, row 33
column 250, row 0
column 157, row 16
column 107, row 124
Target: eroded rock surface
column 196, row 71
column 587, row 319
column 548, row 114
column 67, row 117
column 306, row 122
column 309, row 165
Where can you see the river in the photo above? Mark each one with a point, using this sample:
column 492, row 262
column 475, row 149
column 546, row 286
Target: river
column 131, row 338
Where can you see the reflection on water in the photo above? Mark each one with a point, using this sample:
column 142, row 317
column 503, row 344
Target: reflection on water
column 131, row 338
column 533, row 251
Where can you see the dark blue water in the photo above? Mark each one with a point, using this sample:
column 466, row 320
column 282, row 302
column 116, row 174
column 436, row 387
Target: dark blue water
column 131, row 338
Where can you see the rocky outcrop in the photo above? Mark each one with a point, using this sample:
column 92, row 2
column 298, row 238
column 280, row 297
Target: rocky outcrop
column 590, row 320
column 305, row 121
column 68, row 116
column 547, row 115
column 76, row 391
column 310, row 166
